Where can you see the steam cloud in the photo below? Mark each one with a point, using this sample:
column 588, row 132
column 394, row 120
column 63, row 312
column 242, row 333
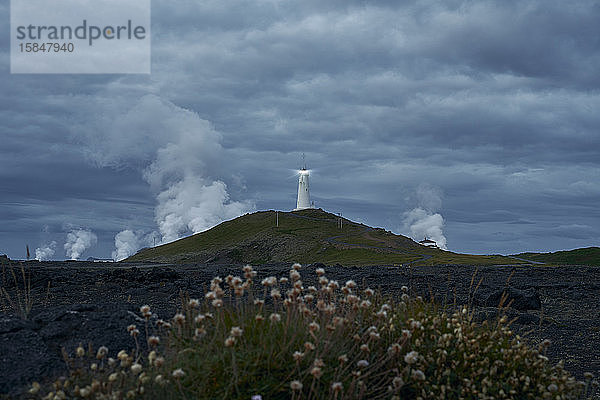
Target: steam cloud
column 45, row 252
column 424, row 220
column 128, row 242
column 78, row 241
column 179, row 155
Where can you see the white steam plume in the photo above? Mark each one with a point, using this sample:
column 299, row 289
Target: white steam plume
column 45, row 252
column 78, row 241
column 190, row 205
column 424, row 220
column 128, row 242
column 179, row 155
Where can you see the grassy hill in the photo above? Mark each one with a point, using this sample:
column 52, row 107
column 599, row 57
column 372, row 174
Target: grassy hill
column 586, row 256
column 304, row 236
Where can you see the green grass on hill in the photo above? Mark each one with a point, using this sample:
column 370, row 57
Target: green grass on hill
column 305, row 236
column 586, row 256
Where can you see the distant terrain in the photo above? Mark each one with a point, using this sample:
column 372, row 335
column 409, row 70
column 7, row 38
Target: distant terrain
column 305, row 236
column 586, row 256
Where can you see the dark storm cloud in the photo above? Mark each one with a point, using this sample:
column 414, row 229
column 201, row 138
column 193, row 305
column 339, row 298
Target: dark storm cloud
column 493, row 102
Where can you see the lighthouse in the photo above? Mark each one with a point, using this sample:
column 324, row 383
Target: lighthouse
column 303, row 190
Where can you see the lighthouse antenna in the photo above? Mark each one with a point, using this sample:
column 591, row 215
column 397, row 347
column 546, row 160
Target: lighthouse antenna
column 303, row 161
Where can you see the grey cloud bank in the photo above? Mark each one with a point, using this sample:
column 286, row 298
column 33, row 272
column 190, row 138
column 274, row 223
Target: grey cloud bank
column 491, row 105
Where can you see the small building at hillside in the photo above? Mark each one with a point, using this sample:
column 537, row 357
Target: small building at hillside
column 428, row 243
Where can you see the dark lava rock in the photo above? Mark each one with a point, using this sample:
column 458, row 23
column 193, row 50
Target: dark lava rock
column 518, row 299
column 31, row 349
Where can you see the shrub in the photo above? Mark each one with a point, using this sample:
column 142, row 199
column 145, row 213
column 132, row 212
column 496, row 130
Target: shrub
column 277, row 339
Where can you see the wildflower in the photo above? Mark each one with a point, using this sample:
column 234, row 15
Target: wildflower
column 136, row 368
column 309, row 346
column 294, row 275
column 259, row 318
column 313, row 327
column 404, row 297
column 418, row 375
column 296, row 266
column 230, row 341
column 179, row 318
column 276, row 294
column 236, row 331
column 385, row 307
column 374, row 335
column 283, row 280
column 343, row 359
column 247, row 268
column 258, row 302
column 178, row 373
column 35, row 388
column 318, row 363
column 412, row 357
column 102, row 352
column 296, row 385
column 159, row 362
column 80, row 351
column 362, row 364
column 334, row 285
column 364, row 347
column 217, row 303
column 152, row 357
column 312, row 289
column 369, row 292
column 134, row 332
column 337, row 386
column 210, row 295
column 269, row 281
column 194, row 303
column 365, row 304
column 113, row 377
column 309, row 298
column 145, row 311
column 199, row 318
column 153, row 340
column 395, row 349
column 316, row 372
column 274, row 317
column 397, row 382
column 552, row 387
column 159, row 379
column 323, row 281
column 298, row 356
column 236, row 281
column 320, row 271
column 352, row 299
column 406, row 334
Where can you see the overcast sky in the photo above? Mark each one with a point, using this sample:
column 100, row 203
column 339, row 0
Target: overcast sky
column 476, row 123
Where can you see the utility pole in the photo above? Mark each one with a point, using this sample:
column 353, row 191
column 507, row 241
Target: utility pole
column 277, row 218
column 340, row 220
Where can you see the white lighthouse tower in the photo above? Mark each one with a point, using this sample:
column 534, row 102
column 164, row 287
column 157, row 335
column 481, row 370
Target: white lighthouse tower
column 303, row 190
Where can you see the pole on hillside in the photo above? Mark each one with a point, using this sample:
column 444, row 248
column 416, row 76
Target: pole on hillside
column 277, row 218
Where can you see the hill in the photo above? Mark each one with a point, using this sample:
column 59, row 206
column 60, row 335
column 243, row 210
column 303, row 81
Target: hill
column 586, row 256
column 304, row 236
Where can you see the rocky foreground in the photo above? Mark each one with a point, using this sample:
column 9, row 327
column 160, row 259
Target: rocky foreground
column 82, row 302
